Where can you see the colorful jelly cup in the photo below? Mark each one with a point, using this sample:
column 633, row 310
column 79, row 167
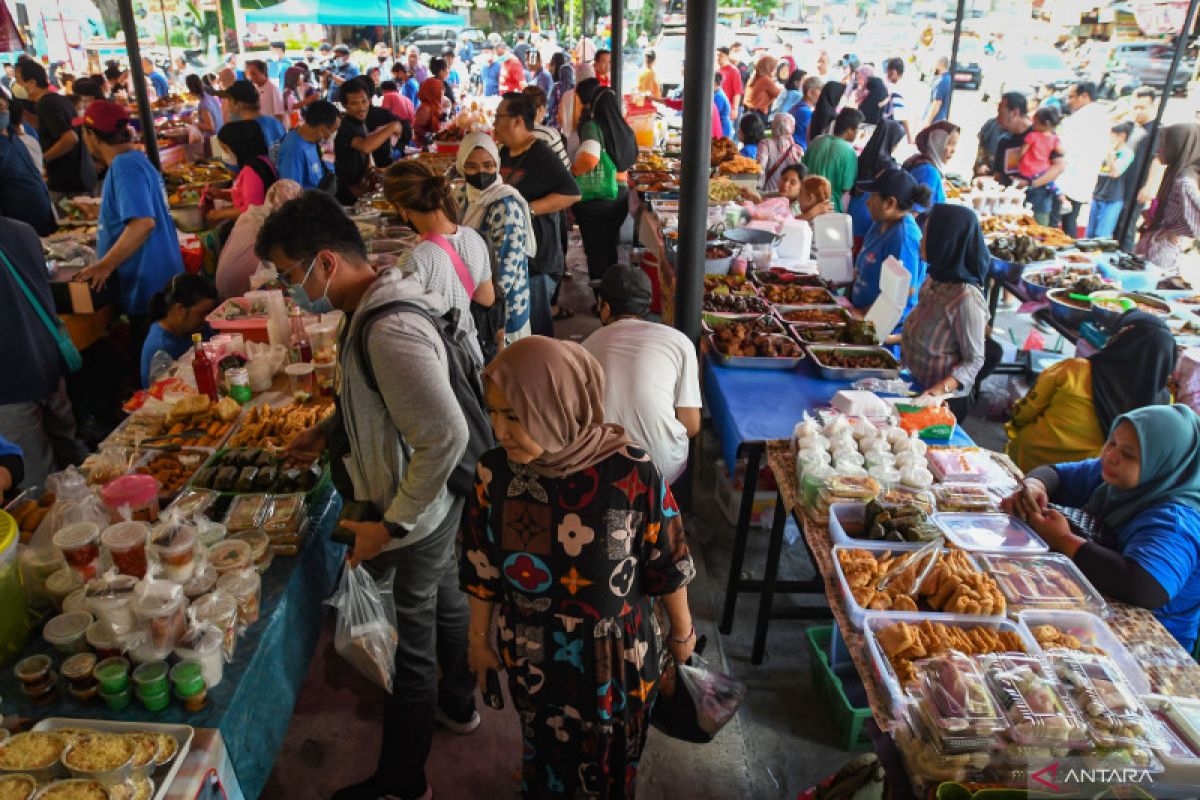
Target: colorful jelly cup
column 113, row 674
column 155, row 702
column 188, row 678
column 151, row 677
column 118, row 700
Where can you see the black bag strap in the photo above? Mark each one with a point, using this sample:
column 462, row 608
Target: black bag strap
column 386, row 309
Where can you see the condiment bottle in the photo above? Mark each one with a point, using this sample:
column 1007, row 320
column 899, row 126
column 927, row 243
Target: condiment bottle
column 202, row 369
column 301, row 350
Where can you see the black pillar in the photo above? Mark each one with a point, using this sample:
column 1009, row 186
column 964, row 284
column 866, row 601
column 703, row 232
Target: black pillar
column 134, row 50
column 953, row 67
column 391, row 34
column 1127, row 215
column 698, row 73
column 618, row 44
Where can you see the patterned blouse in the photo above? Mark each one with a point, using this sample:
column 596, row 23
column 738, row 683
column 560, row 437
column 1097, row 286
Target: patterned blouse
column 944, row 334
column 504, row 230
column 1180, row 217
column 573, row 563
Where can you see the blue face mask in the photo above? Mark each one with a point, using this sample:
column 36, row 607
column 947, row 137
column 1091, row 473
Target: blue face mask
column 319, row 306
column 5, row 120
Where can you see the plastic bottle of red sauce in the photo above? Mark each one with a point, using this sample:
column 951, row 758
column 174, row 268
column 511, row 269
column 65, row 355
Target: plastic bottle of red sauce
column 202, row 369
column 131, row 497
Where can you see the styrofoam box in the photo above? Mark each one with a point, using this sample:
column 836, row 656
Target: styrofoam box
column 857, row 612
column 885, row 312
column 845, row 517
column 833, row 231
column 1093, row 631
column 835, row 266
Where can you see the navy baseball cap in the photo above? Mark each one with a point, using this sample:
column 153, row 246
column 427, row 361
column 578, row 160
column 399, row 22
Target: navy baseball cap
column 626, row 288
column 894, row 182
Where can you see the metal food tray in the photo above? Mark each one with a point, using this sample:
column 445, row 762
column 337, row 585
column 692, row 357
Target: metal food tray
column 782, row 310
column 766, row 309
column 762, row 278
column 163, row 776
column 323, row 482
column 755, row 362
column 849, row 373
column 711, row 323
column 826, row 297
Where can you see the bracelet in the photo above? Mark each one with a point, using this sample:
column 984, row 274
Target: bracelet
column 686, row 639
column 482, row 635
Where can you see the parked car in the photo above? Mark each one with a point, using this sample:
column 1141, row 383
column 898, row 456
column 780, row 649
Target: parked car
column 1034, row 72
column 1128, row 65
column 669, row 51
column 971, row 58
column 431, row 40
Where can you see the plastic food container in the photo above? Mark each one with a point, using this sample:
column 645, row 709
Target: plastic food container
column 133, row 497
column 956, row 705
column 244, row 587
column 286, row 514
column 1054, row 629
column 17, row 785
column 76, row 600
column 78, row 670
column 126, row 543
column 246, row 512
column 258, row 541
column 68, row 632
column 37, row 565
column 231, row 555
column 34, row 673
column 113, row 674
column 176, row 549
column 160, row 605
column 1178, row 745
column 201, row 582
column 151, row 678
column 221, row 610
column 203, row 645
column 118, row 700
column 1038, row 713
column 193, row 502
column 1049, row 580
column 80, row 546
column 989, row 533
column 60, row 584
column 1107, row 703
column 187, row 678
column 103, row 639
column 209, row 532
column 93, row 746
column 300, row 381
column 326, row 376
column 111, row 598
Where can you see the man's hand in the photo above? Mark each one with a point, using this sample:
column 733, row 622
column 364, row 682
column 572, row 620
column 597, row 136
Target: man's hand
column 6, row 480
column 96, row 275
column 308, row 443
column 369, row 540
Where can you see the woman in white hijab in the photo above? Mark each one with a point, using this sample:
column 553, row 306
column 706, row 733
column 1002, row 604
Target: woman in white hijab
column 238, row 261
column 502, row 217
column 936, row 145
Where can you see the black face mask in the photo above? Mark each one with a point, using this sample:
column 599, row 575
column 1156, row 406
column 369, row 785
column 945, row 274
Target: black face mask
column 482, row 180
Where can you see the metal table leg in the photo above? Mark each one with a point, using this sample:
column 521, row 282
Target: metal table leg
column 768, row 590
column 754, row 453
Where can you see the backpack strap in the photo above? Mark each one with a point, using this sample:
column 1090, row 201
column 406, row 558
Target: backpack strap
column 464, row 275
column 387, row 309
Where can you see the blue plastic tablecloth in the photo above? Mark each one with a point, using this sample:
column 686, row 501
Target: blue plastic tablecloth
column 1131, row 280
column 252, row 705
column 752, row 405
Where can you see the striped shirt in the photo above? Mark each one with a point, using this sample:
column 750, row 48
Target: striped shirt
column 554, row 140
column 944, row 334
column 1178, row 217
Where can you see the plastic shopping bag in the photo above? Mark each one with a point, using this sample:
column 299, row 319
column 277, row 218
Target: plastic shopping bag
column 695, row 703
column 366, row 629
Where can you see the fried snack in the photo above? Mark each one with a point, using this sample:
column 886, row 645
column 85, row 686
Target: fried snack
column 954, row 585
column 739, row 165
column 265, row 426
column 904, row 642
column 722, row 150
column 1051, row 638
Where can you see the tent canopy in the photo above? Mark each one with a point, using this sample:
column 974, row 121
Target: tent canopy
column 405, row 13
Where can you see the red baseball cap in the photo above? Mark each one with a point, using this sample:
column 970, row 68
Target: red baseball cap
column 103, row 116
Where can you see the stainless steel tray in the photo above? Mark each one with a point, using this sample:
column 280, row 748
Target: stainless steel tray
column 824, row 296
column 755, row 362
column 710, row 323
column 782, row 310
column 163, row 776
column 847, row 373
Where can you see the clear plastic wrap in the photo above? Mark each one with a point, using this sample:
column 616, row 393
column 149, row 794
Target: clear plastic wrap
column 246, row 512
column 1049, row 581
column 989, row 533
column 366, row 632
column 1115, row 716
column 1038, row 713
column 956, row 705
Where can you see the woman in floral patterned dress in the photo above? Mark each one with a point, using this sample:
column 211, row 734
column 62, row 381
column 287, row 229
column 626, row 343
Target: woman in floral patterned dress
column 573, row 533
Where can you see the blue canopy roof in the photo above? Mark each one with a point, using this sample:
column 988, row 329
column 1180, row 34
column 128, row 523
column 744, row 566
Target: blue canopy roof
column 405, row 13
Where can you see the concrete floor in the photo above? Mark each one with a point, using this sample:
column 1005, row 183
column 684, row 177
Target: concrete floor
column 781, row 742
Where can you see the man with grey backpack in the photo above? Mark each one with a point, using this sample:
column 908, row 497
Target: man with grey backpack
column 408, row 421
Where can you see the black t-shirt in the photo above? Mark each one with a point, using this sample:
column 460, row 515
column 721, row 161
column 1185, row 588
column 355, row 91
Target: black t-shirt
column 73, row 172
column 1009, row 142
column 377, row 117
column 537, row 173
column 349, row 164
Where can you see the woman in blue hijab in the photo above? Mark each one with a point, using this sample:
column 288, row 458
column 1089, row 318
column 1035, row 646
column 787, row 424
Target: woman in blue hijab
column 1142, row 497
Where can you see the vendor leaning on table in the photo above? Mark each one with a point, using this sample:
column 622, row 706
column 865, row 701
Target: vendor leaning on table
column 1065, row 414
column 178, row 311
column 1143, row 494
column 137, row 238
column 893, row 197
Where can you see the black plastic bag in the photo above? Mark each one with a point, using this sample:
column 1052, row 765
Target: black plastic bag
column 694, row 703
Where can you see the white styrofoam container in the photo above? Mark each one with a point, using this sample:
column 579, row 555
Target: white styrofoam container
column 833, row 231
column 885, row 312
column 835, row 266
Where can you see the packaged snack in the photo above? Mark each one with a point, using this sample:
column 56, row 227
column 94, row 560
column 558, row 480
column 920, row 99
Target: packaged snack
column 960, row 464
column 176, row 549
column 1037, row 713
column 1108, row 703
column 246, row 512
column 192, row 502
column 161, row 606
column 989, row 533
column 286, row 514
column 244, row 587
column 900, row 640
column 956, row 705
column 1177, row 741
column 1049, row 581
column 964, row 497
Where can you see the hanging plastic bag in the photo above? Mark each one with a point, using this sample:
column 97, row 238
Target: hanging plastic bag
column 366, row 630
column 695, row 703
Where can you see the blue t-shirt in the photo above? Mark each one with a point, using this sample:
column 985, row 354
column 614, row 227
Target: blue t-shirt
column 941, row 91
column 860, row 215
column 23, row 192
column 159, row 338
column 300, row 161
column 159, row 81
column 1164, row 540
column 726, row 112
column 346, row 71
column 491, row 79
column 901, row 240
column 410, row 89
column 133, row 189
column 212, row 105
column 927, row 174
column 750, row 151
column 273, row 129
column 275, row 69
column 803, row 116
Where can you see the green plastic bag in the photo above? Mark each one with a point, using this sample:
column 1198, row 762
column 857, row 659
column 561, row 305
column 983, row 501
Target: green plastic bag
column 601, row 182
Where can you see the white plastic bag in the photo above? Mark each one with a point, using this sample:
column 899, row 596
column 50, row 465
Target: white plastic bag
column 366, row 629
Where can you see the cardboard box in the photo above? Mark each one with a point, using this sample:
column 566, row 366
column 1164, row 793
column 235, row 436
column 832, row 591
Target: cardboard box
column 728, row 494
column 73, row 297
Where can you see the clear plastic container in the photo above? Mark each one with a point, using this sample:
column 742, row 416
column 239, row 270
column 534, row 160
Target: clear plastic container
column 1038, row 713
column 203, row 580
column 221, row 610
column 956, row 705
column 131, row 497
column 151, row 678
column 68, row 632
column 1114, row 715
column 286, row 514
column 209, row 532
column 1050, row 580
column 928, row 765
column 113, row 674
column 300, row 381
column 80, row 546
column 192, row 502
column 103, row 639
column 204, row 644
column 176, row 549
column 126, row 544
column 246, row 512
column 231, row 555
column 245, row 588
column 964, row 497
column 76, row 601
column 1079, row 630
column 325, row 375
column 1178, row 741
column 160, row 605
column 989, row 533
column 60, row 584
column 78, row 670
column 813, row 482
column 258, row 541
column 110, row 598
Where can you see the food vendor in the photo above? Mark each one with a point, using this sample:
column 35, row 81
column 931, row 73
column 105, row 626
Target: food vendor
column 944, row 337
column 300, row 156
column 177, row 312
column 893, row 197
column 1063, row 416
column 137, row 237
column 1143, row 493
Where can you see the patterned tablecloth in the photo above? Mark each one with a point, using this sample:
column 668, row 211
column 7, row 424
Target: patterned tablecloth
column 1170, row 668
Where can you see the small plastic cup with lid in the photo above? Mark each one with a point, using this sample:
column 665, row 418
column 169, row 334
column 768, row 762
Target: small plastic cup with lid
column 245, row 587
column 157, row 701
column 300, row 377
column 813, row 482
column 221, row 610
column 176, row 550
column 887, row 476
column 202, row 644
column 188, row 678
column 161, row 605
column 80, row 546
column 60, row 584
column 118, row 700
column 76, row 601
column 78, row 670
column 103, row 639
column 151, row 678
column 209, row 532
column 113, row 674
column 203, row 581
column 231, row 555
column 34, row 672
column 110, row 598
column 68, row 632
column 131, row 497
column 126, row 544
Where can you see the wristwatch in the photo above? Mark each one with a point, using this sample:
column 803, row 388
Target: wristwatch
column 395, row 530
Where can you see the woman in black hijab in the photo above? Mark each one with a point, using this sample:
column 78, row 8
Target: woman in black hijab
column 875, row 101
column 1132, row 369
column 246, row 141
column 826, row 110
column 875, row 158
column 943, row 341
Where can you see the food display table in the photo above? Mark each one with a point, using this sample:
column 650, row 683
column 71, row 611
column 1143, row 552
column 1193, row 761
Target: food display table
column 1137, row 628
column 750, row 408
column 252, row 706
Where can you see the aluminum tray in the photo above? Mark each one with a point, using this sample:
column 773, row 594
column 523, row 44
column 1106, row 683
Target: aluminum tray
column 754, row 362
column 763, row 277
column 825, row 297
column 710, row 323
column 781, row 310
column 852, row 374
column 163, row 776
